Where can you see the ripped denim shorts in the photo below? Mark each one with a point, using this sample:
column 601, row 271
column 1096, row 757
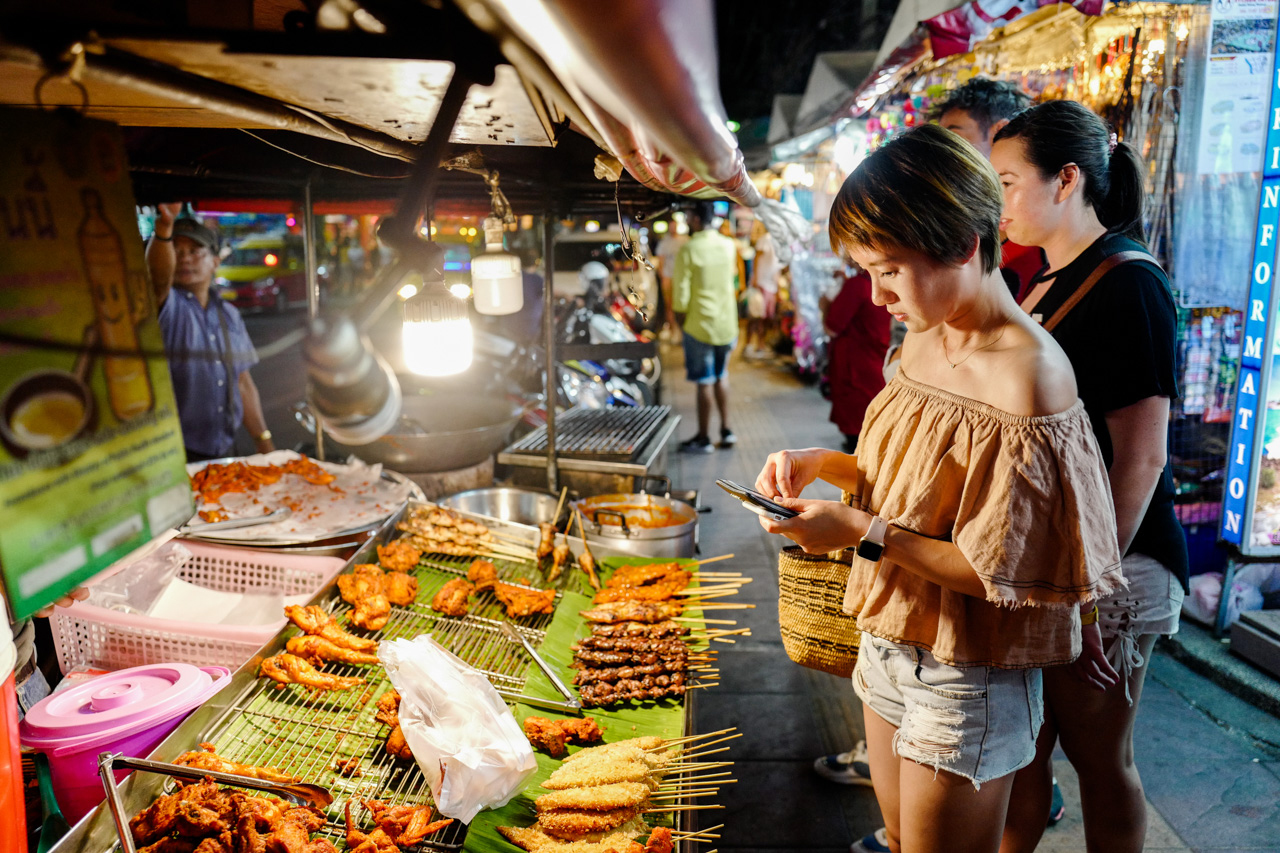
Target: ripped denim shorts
column 979, row 722
column 1150, row 605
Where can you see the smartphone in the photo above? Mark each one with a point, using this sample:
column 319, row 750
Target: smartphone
column 756, row 502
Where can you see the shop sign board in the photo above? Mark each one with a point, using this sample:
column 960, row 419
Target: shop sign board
column 91, row 456
column 1236, row 85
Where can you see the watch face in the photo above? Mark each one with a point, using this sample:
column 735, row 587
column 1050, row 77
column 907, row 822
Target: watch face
column 869, row 550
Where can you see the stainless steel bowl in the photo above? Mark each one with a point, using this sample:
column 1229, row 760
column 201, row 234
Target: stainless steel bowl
column 518, row 505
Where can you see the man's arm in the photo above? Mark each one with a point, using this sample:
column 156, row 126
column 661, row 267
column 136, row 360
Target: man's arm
column 254, row 422
column 681, row 284
column 161, row 260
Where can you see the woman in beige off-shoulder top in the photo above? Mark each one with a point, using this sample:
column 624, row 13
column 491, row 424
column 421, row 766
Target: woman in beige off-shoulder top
column 981, row 513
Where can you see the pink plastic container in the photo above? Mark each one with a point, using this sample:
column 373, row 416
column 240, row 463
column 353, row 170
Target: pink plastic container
column 128, row 712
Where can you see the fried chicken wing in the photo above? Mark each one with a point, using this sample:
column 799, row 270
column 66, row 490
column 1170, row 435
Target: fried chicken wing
column 483, row 574
column 396, row 744
column 522, row 602
column 587, row 563
column 208, row 759
column 399, row 556
column 407, row 825
column 291, row 669
column 319, row 651
column 560, row 557
column 451, row 600
column 375, row 841
column 366, row 591
column 314, row 620
column 546, row 540
column 172, row 812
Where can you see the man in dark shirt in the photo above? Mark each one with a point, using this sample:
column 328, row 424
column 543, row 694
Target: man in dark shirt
column 209, row 349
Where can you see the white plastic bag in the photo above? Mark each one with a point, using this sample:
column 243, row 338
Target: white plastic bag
column 462, row 734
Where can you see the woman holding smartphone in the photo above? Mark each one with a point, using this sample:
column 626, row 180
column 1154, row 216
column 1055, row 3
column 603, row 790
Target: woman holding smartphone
column 1072, row 189
column 980, row 505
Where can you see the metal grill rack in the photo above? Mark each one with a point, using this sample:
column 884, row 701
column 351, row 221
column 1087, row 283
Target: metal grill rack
column 614, row 434
column 308, row 733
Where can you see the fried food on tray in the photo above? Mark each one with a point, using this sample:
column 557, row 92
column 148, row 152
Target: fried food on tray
column 546, row 540
column 645, row 574
column 207, row 759
column 396, row 744
column 213, row 481
column 407, row 825
column 402, row 589
column 389, row 715
column 574, row 824
column 660, row 840
column 483, row 574
column 291, row 669
column 211, row 820
column 313, row 620
column 399, row 556
column 451, row 600
column 552, row 735
column 522, row 602
column 606, row 770
column 587, row 563
column 633, row 611
column 533, row 839
column 633, row 749
column 318, row 651
column 192, row 810
column 366, row 591
column 621, row 795
column 560, row 557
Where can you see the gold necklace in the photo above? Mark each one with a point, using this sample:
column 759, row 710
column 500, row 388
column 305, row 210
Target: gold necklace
column 947, row 355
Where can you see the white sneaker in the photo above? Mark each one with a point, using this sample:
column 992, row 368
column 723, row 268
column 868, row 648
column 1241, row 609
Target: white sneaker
column 845, row 768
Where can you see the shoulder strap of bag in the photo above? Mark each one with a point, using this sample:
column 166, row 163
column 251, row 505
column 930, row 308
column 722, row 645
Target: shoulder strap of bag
column 227, row 363
column 1109, row 263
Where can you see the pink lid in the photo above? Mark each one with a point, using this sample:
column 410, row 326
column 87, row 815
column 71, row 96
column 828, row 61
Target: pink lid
column 119, row 704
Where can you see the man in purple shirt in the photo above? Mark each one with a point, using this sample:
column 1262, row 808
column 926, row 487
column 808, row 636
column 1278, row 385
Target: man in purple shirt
column 209, row 349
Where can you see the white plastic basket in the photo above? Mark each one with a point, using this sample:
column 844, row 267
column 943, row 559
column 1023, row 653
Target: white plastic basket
column 90, row 637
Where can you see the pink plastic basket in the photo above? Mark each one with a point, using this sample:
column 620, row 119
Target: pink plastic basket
column 89, row 637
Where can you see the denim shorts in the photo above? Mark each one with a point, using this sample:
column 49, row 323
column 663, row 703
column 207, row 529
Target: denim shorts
column 706, row 363
column 1150, row 605
column 979, row 722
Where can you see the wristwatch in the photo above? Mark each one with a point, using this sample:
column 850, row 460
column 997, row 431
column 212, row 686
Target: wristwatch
column 871, row 546
column 265, row 435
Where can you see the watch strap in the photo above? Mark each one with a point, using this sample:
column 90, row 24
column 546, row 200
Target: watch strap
column 877, row 530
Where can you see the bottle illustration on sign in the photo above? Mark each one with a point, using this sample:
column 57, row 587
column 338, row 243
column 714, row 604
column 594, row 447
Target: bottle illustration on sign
column 128, row 383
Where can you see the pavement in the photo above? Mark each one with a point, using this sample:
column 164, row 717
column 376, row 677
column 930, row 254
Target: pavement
column 1207, row 740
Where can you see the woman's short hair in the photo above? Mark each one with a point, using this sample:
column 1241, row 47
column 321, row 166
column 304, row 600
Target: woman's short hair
column 927, row 190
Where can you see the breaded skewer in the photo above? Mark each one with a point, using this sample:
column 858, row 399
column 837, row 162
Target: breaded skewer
column 622, row 795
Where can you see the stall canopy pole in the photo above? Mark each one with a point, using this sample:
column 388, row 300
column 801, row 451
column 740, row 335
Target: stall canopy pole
column 549, row 342
column 313, row 286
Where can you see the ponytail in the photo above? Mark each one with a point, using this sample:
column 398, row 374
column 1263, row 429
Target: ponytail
column 1122, row 209
column 1056, row 133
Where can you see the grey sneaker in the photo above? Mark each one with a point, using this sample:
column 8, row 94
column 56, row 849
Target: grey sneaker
column 876, row 842
column 845, row 768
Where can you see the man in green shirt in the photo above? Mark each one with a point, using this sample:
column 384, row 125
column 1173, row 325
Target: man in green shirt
column 704, row 299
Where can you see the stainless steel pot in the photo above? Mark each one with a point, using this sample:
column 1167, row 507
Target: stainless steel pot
column 439, row 432
column 519, row 505
column 641, row 524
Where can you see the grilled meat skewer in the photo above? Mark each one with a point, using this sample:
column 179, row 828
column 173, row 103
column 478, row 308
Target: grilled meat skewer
column 588, row 658
column 657, row 630
column 633, row 611
column 620, row 673
column 632, row 644
column 643, row 575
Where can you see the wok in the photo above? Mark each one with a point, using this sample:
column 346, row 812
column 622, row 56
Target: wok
column 440, row 431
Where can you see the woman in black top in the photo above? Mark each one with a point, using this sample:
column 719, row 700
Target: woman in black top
column 1075, row 192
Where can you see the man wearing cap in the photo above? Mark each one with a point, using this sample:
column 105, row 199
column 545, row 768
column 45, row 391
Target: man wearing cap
column 209, row 349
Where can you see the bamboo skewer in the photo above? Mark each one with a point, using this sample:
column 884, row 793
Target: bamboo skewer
column 684, row 808
column 720, row 740
column 696, row 605
column 688, row 738
column 706, row 752
column 564, row 493
column 713, row 559
column 718, row 777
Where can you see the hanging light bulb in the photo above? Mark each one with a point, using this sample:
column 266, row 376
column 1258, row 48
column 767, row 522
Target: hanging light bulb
column 436, row 336
column 496, row 281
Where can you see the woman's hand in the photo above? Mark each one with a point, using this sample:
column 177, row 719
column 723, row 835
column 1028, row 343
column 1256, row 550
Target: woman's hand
column 1092, row 667
column 787, row 472
column 821, row 526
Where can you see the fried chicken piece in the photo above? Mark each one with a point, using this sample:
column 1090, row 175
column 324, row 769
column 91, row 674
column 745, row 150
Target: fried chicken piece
column 349, row 767
column 291, row 669
column 659, row 841
column 399, row 556
column 483, row 574
column 313, row 620
column 396, row 744
column 587, row 562
column 406, row 824
column 179, row 812
column 402, row 589
column 582, row 731
column 376, row 841
column 620, row 795
column 545, row 734
column 574, row 824
column 318, row 651
column 388, row 706
column 223, row 842
column 208, row 759
column 451, row 600
column 365, row 590
column 522, row 602
column 546, row 540
column 171, row 845
column 560, row 557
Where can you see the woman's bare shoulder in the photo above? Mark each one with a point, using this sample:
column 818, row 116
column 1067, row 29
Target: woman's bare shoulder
column 1038, row 378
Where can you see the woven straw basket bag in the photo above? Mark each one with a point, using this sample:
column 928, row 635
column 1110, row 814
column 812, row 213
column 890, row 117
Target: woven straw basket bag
column 816, row 632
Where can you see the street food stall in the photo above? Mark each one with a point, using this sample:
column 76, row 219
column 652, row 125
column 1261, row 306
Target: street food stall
column 395, row 619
